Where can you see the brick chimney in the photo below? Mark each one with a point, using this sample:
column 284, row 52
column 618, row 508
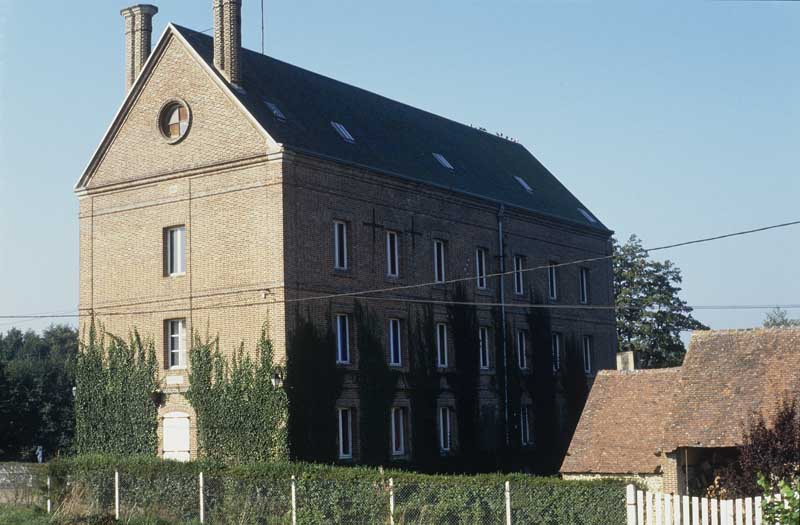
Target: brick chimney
column 228, row 39
column 138, row 39
column 626, row 361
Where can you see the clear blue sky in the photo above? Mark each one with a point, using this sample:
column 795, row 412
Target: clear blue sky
column 669, row 120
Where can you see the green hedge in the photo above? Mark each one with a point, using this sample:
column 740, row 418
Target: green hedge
column 261, row 493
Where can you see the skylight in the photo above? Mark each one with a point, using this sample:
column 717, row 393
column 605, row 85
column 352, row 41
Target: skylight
column 342, row 131
column 523, row 183
column 276, row 111
column 443, row 161
column 589, row 216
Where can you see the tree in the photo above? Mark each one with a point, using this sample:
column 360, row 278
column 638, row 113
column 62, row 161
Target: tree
column 770, row 450
column 779, row 318
column 36, row 401
column 650, row 313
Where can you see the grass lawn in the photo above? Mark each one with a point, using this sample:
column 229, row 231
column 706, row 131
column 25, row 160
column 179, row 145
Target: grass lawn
column 35, row 516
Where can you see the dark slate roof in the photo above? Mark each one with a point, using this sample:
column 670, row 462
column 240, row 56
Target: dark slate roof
column 727, row 377
column 622, row 425
column 392, row 137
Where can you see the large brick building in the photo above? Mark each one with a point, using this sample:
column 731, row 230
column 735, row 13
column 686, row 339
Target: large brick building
column 233, row 190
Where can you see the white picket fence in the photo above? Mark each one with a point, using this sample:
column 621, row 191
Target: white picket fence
column 655, row 508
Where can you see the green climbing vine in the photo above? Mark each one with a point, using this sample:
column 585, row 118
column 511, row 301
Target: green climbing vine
column 115, row 409
column 424, row 385
column 241, row 407
column 313, row 384
column 376, row 388
column 541, row 384
column 464, row 381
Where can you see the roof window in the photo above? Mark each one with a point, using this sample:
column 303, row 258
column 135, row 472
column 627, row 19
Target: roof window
column 523, row 183
column 342, row 131
column 589, row 216
column 443, row 161
column 276, row 111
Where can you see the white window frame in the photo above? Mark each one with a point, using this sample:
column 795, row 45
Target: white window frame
column 588, row 343
column 398, row 431
column 340, row 245
column 392, row 253
column 176, row 343
column 483, row 348
column 526, row 436
column 522, row 348
column 395, row 342
column 555, row 349
column 345, row 418
column 175, row 239
column 342, row 339
column 552, row 281
column 519, row 275
column 441, row 345
column 480, row 268
column 439, row 261
column 584, row 285
column 445, row 429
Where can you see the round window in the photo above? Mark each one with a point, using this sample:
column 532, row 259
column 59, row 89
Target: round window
column 174, row 121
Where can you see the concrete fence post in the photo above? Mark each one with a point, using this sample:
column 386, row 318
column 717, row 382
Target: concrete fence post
column 294, row 501
column 116, row 495
column 391, row 501
column 630, row 504
column 202, row 501
column 508, row 502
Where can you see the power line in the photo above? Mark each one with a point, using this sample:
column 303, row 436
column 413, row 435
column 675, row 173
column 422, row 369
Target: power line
column 452, row 281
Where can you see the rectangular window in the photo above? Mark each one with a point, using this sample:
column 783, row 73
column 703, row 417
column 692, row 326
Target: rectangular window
column 342, row 339
column 445, row 425
column 584, row 285
column 480, row 268
column 443, row 161
column 522, row 349
column 340, row 245
column 552, row 281
column 392, row 255
column 345, row 433
column 398, row 431
column 483, row 341
column 176, row 342
column 587, row 354
column 438, row 261
column 175, row 250
column 395, row 349
column 441, row 345
column 342, row 131
column 519, row 275
column 556, row 350
column 525, row 426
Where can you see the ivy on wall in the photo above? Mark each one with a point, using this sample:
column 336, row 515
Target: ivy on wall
column 463, row 321
column 541, row 384
column 313, row 384
column 241, row 407
column 424, row 384
column 376, row 388
column 115, row 409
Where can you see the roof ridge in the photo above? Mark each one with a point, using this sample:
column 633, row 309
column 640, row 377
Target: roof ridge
column 260, row 56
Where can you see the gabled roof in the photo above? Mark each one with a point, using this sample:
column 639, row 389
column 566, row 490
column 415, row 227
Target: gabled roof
column 392, row 137
column 621, row 428
column 726, row 378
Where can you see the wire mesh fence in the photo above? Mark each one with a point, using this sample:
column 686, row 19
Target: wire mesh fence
column 176, row 494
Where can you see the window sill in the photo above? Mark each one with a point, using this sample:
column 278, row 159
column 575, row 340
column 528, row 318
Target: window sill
column 176, row 369
column 172, row 275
